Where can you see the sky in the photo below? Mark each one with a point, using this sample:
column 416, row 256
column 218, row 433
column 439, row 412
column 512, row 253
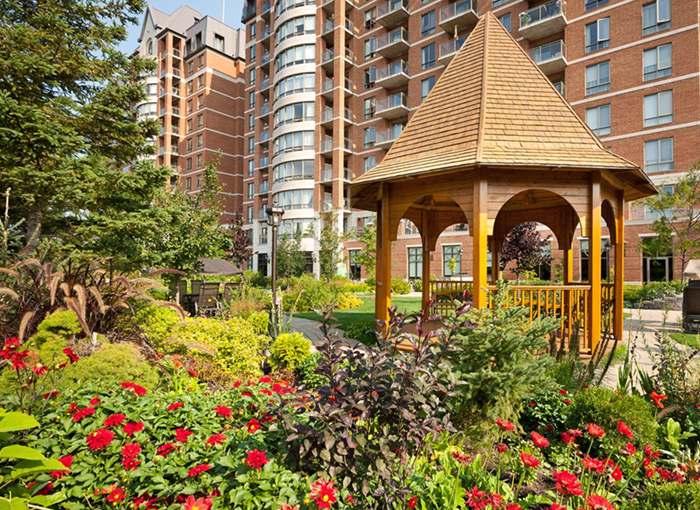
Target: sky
column 213, row 8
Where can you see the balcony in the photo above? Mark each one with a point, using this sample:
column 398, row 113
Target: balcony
column 328, row 29
column 394, row 75
column 561, row 87
column 262, row 215
column 328, row 56
column 175, row 130
column 328, row 85
column 393, row 107
column 543, row 20
column 393, row 13
column 177, row 54
column 449, row 49
column 264, row 137
column 174, row 150
column 551, row 57
column 265, row 59
column 327, row 117
column 248, row 11
column 266, row 9
column 176, row 73
column 265, row 33
column 264, row 188
column 175, row 111
column 327, row 175
column 393, row 44
column 265, row 84
column 327, row 145
column 385, row 139
column 459, row 14
column 329, row 5
column 264, row 110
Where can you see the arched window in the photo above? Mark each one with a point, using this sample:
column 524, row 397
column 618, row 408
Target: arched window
column 150, row 47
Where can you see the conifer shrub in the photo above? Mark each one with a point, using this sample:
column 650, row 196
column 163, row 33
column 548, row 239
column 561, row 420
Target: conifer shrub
column 111, row 364
column 53, row 335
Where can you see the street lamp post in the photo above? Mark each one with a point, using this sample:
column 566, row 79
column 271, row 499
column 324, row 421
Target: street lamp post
column 274, row 219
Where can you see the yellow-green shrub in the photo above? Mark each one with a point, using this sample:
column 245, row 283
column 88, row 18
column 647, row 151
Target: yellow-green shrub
column 53, row 334
column 260, row 322
column 288, row 350
column 111, row 364
column 234, row 345
column 157, row 322
column 347, row 300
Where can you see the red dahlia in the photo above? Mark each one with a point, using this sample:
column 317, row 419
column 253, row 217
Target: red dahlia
column 256, row 459
column 198, row 470
column 39, row 369
column 129, row 453
column 529, row 460
column 597, row 502
column 539, row 440
column 253, row 426
column 114, row 420
column 82, row 413
column 116, row 495
column 73, row 357
column 412, row 502
column 197, row 504
column 166, row 448
column 174, row 406
column 505, row 425
column 99, row 439
column 595, row 430
column 216, row 439
column 567, row 483
column 223, row 411
column 95, row 401
column 66, row 461
column 592, row 464
column 323, row 493
column 133, row 427
column 624, row 429
column 138, row 390
column 181, row 435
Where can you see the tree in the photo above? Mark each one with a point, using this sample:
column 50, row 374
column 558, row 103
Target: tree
column 65, row 100
column 330, row 245
column 678, row 224
column 368, row 257
column 240, row 251
column 291, row 260
column 526, row 248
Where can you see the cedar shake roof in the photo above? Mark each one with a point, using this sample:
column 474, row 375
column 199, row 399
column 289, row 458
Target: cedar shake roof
column 493, row 107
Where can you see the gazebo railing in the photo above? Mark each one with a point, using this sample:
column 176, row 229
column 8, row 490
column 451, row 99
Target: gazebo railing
column 445, row 292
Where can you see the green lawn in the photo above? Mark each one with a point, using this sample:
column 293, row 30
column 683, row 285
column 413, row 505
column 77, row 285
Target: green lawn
column 365, row 313
column 687, row 339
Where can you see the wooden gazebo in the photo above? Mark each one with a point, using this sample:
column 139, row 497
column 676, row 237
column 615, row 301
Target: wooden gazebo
column 494, row 145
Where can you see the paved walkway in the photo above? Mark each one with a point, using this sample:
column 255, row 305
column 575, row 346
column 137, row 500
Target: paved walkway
column 311, row 330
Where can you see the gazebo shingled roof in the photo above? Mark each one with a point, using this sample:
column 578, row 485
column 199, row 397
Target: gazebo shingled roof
column 493, row 107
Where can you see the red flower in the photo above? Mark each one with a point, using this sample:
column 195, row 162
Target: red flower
column 595, row 430
column 18, row 358
column 529, row 460
column 539, row 440
column 216, row 439
column 263, row 380
column 114, row 420
column 266, row 392
column 223, row 411
column 82, row 413
column 462, row 458
column 198, row 470
column 629, row 449
column 648, row 452
column 505, row 425
column 95, row 401
column 237, row 384
column 624, row 429
column 116, row 495
column 568, row 438
column 51, row 394
column 66, row 461
column 557, row 506
column 349, row 499
column 502, row 448
column 323, row 493
column 658, row 399
column 412, row 502
column 39, row 369
column 138, row 390
column 475, row 498
column 563, row 392
column 100, row 439
column 286, row 506
column 514, row 506
column 246, row 394
column 166, row 448
column 650, row 473
column 598, row 503
column 593, row 465
column 174, row 406
column 196, row 504
column 73, row 357
column 73, row 407
column 129, row 453
column 44, row 491
column 567, row 483
column 567, row 401
column 253, row 426
column 133, row 427
column 181, row 435
column 256, row 459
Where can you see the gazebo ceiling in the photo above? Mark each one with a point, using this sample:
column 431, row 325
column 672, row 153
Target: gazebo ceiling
column 494, row 108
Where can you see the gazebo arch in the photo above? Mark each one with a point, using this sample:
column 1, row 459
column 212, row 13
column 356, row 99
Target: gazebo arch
column 494, row 127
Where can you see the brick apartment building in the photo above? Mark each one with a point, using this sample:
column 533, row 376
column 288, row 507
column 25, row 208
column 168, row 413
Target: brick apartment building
column 197, row 94
column 330, row 86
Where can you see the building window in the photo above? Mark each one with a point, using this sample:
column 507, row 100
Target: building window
column 300, row 25
column 190, row 67
column 656, row 267
column 251, row 122
column 296, row 55
column 251, row 145
column 200, row 81
column 658, row 108
column 369, row 107
column 370, row 77
column 658, row 155
column 355, row 272
column 200, row 101
column 189, row 145
column 368, row 163
column 199, row 141
column 604, row 259
column 190, row 87
column 451, row 260
column 496, row 3
column 427, row 56
column 657, row 62
column 251, row 100
column 426, row 86
column 188, row 165
column 598, row 119
column 251, row 76
column 200, row 163
column 291, row 142
column 505, row 21
column 218, row 42
column 415, row 262
column 252, row 54
column 199, row 181
column 598, row 35
column 200, row 61
column 592, row 4
column 369, row 137
column 561, row 88
column 370, row 47
column 252, row 30
column 370, row 16
column 251, row 190
column 189, row 106
column 298, row 170
column 188, row 184
column 189, row 125
column 251, row 168
column 249, row 214
column 296, row 199
column 150, row 47
column 598, row 78
column 656, row 16
column 427, row 23
column 200, row 120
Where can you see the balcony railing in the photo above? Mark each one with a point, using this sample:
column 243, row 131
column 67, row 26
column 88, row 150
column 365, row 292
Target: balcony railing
column 543, row 20
column 393, row 44
column 265, row 33
column 248, row 11
column 327, row 144
column 176, row 73
column 393, row 75
column 392, row 13
column 264, row 137
column 393, row 106
column 266, row 7
column 459, row 14
column 265, row 84
column 449, row 49
column 329, row 84
column 264, row 187
column 551, row 57
column 384, row 139
column 174, row 150
column 265, row 59
column 265, row 110
column 264, row 162
column 175, row 111
column 327, row 174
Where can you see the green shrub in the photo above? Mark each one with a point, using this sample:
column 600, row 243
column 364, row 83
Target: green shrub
column 356, row 287
column 111, row 364
column 400, row 286
column 233, row 344
column 306, row 371
column 606, row 407
column 157, row 322
column 670, row 496
column 53, row 334
column 260, row 322
column 347, row 300
column 362, row 332
column 371, row 282
column 288, row 350
column 256, row 279
column 635, row 294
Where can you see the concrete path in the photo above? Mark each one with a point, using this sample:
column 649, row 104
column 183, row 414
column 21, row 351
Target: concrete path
column 311, row 330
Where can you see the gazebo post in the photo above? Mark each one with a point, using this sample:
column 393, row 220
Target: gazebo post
column 480, row 236
column 594, row 262
column 383, row 292
column 618, row 317
column 425, row 275
column 495, row 259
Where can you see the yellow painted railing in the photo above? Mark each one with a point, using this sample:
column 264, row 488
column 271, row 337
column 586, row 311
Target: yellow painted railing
column 446, row 292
